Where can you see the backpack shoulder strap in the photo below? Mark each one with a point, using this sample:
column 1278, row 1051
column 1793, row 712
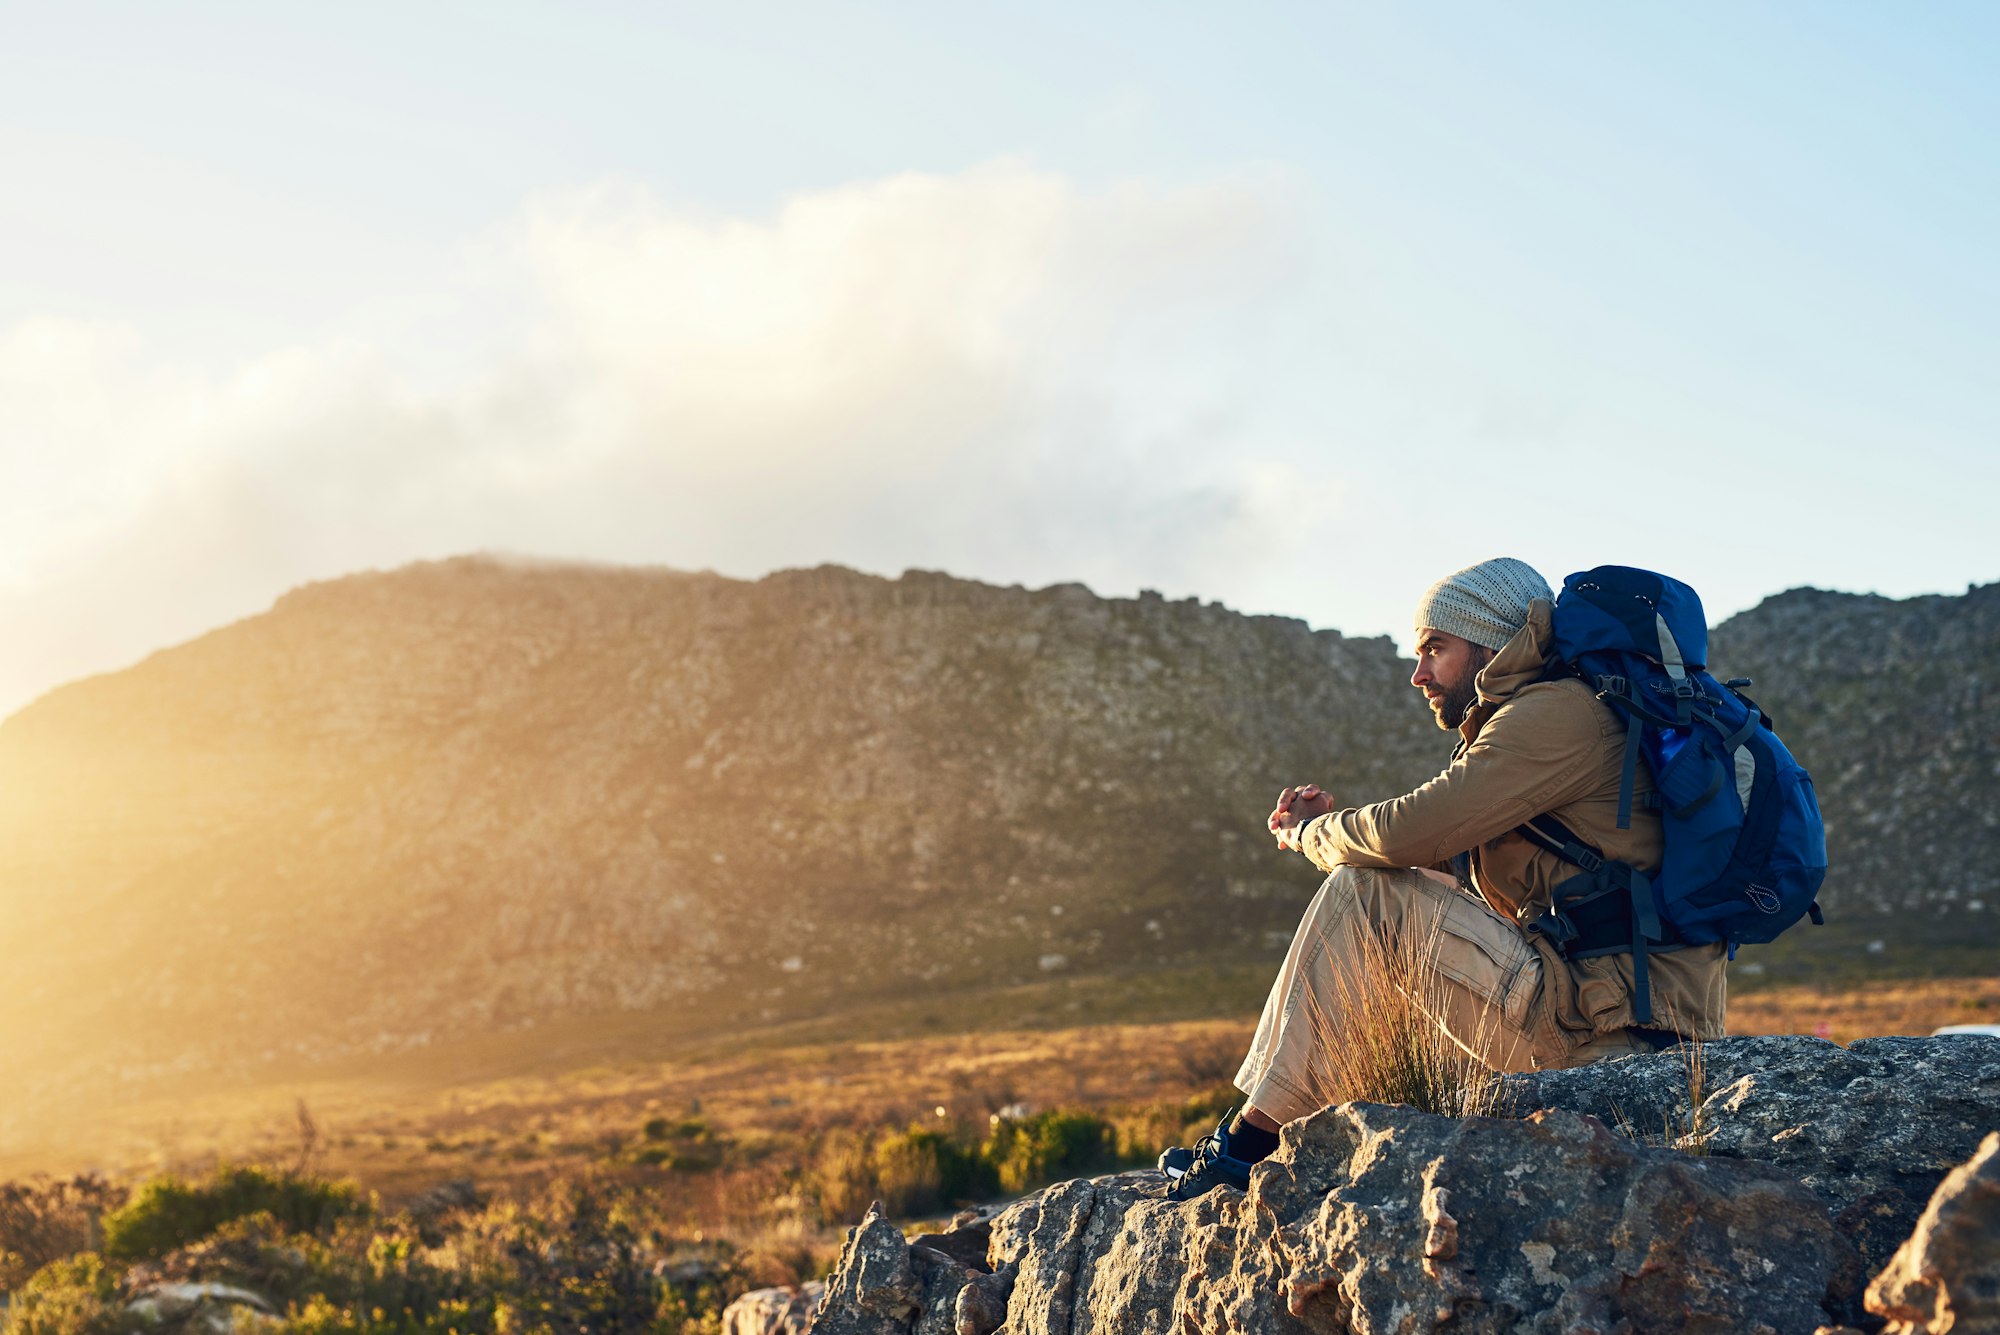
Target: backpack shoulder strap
column 1552, row 836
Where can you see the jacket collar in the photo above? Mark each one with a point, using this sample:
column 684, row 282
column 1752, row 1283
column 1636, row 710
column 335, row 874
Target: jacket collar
column 1522, row 661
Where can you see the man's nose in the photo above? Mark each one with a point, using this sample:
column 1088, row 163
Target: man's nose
column 1420, row 676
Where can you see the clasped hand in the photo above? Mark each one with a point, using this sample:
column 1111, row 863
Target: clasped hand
column 1296, row 806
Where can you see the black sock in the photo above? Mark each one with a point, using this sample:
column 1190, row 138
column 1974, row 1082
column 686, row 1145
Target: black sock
column 1250, row 1143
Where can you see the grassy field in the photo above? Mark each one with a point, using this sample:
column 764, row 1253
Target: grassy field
column 773, row 1094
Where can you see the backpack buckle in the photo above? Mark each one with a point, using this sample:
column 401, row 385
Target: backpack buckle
column 1557, row 927
column 1583, row 857
column 1613, row 686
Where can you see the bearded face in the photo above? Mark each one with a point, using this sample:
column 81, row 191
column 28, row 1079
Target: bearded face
column 1446, row 667
column 1454, row 698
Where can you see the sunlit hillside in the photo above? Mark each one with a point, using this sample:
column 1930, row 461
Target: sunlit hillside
column 478, row 799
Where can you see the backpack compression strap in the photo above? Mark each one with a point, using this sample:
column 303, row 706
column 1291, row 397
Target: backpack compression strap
column 1607, row 909
column 1620, row 689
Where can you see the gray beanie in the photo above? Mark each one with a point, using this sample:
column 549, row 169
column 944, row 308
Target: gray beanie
column 1485, row 603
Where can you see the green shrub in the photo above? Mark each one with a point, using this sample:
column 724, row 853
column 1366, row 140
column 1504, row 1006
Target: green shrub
column 921, row 1170
column 686, row 1128
column 912, row 1172
column 1049, row 1146
column 925, row 1169
column 77, row 1295
column 688, row 1145
column 169, row 1213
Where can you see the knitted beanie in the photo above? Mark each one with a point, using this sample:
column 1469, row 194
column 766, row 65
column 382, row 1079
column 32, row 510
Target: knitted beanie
column 1485, row 603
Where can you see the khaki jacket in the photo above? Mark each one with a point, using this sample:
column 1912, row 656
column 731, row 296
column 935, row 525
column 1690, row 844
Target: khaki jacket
column 1530, row 746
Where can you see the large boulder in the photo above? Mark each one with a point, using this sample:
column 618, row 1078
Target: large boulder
column 1872, row 1128
column 1947, row 1276
column 204, row 1308
column 779, row 1311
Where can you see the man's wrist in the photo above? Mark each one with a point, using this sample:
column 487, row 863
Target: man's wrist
column 1299, row 833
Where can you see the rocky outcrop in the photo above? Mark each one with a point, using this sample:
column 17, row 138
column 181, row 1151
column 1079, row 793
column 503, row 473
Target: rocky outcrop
column 886, row 1283
column 1947, row 1276
column 1871, row 1128
column 1758, row 1216
column 1375, row 1219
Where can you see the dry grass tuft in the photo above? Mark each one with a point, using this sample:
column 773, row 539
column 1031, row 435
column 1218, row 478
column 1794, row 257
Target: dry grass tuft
column 1384, row 1043
column 1688, row 1128
column 1694, row 1070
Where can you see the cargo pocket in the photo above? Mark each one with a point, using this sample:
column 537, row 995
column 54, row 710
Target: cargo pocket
column 1606, row 1003
column 1558, row 1025
column 1487, row 956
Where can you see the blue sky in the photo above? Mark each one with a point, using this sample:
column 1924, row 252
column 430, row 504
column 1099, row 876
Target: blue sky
column 1297, row 307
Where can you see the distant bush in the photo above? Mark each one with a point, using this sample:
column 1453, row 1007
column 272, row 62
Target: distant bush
column 1144, row 1130
column 77, row 1295
column 687, row 1128
column 689, row 1145
column 168, row 1212
column 922, row 1170
column 1048, row 1146
column 926, row 1169
column 912, row 1172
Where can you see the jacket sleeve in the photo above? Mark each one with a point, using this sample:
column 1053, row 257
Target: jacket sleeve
column 1541, row 750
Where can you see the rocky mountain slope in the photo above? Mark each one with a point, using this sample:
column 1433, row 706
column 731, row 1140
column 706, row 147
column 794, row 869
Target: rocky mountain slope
column 1895, row 707
column 475, row 797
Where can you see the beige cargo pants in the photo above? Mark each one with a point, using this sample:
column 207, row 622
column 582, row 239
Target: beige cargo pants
column 1485, row 985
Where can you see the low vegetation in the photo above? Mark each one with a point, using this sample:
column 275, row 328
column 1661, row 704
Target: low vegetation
column 572, row 1259
column 169, row 1213
column 645, row 1198
column 609, row 1245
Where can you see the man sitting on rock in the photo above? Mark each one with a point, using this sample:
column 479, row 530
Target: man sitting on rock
column 1440, row 876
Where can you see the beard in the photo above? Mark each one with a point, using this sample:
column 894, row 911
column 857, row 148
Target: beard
column 1454, row 698
column 1452, row 702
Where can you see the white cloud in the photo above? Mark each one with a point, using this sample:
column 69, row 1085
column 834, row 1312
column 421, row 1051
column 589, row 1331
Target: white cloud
column 991, row 372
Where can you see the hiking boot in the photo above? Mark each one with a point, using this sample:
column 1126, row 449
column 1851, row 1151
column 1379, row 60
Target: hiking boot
column 1191, row 1172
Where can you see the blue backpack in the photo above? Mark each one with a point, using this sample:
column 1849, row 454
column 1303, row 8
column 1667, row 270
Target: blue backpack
column 1745, row 847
